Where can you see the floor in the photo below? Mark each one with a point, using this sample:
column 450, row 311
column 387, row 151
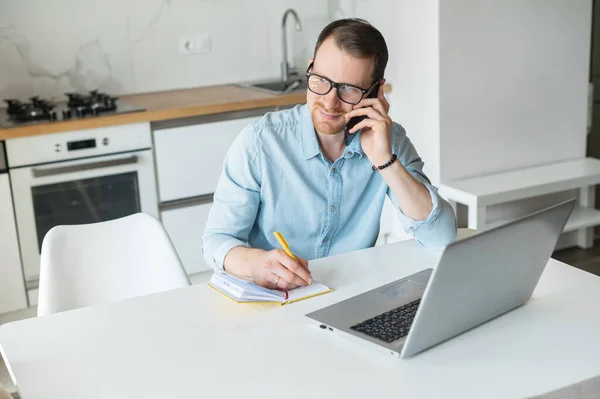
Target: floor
column 585, row 259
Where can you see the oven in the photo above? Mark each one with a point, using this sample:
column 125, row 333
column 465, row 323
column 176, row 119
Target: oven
column 78, row 177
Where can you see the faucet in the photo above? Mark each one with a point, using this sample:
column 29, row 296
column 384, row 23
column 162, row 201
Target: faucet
column 285, row 66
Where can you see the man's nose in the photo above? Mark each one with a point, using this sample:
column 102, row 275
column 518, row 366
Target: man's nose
column 331, row 100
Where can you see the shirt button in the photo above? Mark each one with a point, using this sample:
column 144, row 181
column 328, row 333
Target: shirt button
column 333, row 170
column 349, row 153
column 332, row 208
column 325, row 239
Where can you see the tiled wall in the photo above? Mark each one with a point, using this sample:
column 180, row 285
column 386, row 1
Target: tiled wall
column 48, row 48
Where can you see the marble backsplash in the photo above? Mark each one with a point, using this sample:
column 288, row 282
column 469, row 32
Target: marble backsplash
column 48, row 48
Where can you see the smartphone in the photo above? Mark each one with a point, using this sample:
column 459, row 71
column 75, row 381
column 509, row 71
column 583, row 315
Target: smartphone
column 353, row 121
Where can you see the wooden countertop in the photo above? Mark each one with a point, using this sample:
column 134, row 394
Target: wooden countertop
column 172, row 104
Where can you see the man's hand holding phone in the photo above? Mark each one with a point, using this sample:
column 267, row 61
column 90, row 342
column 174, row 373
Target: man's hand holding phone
column 376, row 135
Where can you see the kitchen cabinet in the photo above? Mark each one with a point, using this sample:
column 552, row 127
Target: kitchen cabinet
column 12, row 286
column 189, row 158
column 185, row 226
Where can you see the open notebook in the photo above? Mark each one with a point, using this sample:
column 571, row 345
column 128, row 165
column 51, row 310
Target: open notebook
column 245, row 291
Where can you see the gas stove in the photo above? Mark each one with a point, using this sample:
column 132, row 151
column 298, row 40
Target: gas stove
column 76, row 106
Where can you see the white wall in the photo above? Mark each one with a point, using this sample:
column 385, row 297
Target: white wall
column 48, row 48
column 513, row 89
column 484, row 86
column 411, row 31
column 513, row 83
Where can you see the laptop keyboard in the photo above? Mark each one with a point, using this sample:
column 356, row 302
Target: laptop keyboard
column 391, row 325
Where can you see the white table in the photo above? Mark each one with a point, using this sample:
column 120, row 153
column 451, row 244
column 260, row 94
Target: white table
column 479, row 193
column 193, row 342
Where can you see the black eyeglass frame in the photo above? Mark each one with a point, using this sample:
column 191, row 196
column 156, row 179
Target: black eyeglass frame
column 333, row 84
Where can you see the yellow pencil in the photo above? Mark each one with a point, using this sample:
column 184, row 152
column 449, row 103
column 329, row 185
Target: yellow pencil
column 284, row 245
column 286, row 248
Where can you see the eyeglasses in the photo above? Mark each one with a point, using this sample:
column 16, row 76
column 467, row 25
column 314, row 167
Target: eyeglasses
column 346, row 92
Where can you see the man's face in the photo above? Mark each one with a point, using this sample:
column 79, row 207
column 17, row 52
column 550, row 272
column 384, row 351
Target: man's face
column 333, row 63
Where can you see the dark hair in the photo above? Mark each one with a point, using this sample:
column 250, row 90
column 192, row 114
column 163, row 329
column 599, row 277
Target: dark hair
column 360, row 39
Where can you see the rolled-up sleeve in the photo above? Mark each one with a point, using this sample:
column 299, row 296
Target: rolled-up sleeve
column 439, row 228
column 236, row 200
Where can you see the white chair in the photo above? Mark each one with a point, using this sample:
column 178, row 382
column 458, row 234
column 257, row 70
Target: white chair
column 88, row 264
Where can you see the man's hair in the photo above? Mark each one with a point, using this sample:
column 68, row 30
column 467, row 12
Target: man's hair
column 360, row 39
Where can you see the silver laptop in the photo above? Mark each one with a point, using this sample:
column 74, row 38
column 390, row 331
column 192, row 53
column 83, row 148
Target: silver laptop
column 477, row 279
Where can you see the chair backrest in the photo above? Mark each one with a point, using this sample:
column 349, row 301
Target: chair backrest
column 87, row 264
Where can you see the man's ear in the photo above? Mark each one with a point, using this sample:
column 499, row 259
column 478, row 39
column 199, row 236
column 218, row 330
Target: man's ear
column 310, row 61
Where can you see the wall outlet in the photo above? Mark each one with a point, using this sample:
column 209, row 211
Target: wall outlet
column 194, row 44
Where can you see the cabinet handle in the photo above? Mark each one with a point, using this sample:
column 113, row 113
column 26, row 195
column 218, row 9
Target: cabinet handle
column 186, row 202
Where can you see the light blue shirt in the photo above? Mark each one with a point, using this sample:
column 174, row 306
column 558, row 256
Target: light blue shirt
column 275, row 178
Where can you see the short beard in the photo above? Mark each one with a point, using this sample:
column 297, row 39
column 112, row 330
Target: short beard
column 327, row 127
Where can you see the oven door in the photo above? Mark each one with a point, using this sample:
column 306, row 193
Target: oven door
column 76, row 192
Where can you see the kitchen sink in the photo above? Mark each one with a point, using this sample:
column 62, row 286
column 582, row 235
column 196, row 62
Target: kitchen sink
column 277, row 86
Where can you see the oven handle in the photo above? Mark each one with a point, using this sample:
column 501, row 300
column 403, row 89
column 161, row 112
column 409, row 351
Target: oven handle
column 36, row 172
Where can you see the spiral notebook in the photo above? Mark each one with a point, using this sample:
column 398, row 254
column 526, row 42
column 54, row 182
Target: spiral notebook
column 248, row 292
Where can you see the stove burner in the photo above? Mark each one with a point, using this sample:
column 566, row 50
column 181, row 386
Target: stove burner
column 77, row 106
column 92, row 104
column 34, row 111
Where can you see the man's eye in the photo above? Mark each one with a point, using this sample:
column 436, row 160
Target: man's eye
column 349, row 89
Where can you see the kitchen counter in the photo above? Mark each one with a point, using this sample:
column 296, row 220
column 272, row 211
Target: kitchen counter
column 172, row 104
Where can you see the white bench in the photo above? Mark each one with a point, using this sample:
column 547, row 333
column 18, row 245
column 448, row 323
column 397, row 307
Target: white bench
column 480, row 192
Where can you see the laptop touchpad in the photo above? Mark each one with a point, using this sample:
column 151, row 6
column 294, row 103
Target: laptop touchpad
column 402, row 288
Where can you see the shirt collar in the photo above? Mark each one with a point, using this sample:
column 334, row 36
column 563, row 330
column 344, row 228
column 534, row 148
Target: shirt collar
column 310, row 144
column 354, row 147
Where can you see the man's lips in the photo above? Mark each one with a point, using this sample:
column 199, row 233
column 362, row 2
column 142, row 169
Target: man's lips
column 329, row 117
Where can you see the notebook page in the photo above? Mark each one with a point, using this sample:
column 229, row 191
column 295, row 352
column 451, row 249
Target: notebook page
column 307, row 291
column 224, row 285
column 245, row 289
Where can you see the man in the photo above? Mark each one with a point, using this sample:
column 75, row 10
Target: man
column 293, row 172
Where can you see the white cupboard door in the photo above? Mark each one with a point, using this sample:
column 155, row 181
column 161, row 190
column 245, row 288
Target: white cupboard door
column 12, row 287
column 189, row 159
column 185, row 227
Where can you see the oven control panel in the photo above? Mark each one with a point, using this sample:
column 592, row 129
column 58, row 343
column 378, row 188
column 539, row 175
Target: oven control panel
column 81, row 144
column 32, row 150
